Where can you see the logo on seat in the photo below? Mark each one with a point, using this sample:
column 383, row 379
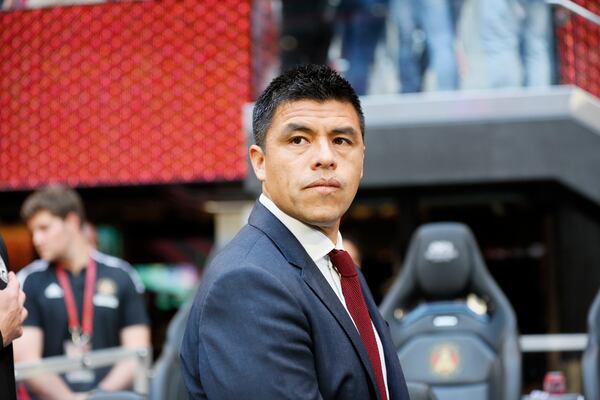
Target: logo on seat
column 441, row 251
column 445, row 360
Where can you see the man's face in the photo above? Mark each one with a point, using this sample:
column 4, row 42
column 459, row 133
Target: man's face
column 51, row 234
column 313, row 160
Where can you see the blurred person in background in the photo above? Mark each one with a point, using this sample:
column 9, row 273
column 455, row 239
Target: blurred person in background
column 12, row 315
column 439, row 19
column 404, row 14
column 351, row 245
column 306, row 32
column 362, row 24
column 507, row 43
column 78, row 299
column 536, row 43
column 308, row 27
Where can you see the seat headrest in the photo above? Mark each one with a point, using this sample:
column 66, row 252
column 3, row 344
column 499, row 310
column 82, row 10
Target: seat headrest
column 443, row 260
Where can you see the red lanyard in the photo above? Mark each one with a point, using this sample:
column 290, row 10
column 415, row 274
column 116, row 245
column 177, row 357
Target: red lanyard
column 79, row 333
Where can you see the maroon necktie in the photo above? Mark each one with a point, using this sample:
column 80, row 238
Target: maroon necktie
column 355, row 302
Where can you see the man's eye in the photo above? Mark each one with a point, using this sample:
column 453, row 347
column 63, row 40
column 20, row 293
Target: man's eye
column 297, row 140
column 341, row 140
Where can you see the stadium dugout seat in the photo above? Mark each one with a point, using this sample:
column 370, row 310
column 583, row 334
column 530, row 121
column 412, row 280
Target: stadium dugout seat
column 453, row 328
column 591, row 356
column 167, row 381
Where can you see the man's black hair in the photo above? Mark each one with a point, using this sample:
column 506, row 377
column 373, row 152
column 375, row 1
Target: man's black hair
column 309, row 82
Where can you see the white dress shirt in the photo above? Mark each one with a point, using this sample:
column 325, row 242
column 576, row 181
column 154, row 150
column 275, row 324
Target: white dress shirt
column 318, row 246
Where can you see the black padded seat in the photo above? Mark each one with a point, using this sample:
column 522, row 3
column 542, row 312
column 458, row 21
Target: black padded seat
column 420, row 391
column 591, row 356
column 167, row 381
column 462, row 350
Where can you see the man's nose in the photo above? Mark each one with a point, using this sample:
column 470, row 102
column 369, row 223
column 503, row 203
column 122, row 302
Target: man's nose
column 325, row 154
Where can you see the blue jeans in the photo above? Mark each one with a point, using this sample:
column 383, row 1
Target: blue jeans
column 362, row 23
column 536, row 34
column 514, row 44
column 439, row 18
column 405, row 16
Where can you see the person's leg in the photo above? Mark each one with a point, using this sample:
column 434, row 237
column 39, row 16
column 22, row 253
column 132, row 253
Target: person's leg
column 456, row 7
column 403, row 14
column 536, row 39
column 437, row 22
column 362, row 28
column 499, row 31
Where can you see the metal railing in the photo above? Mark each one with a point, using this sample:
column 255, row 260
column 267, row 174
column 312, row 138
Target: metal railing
column 553, row 342
column 92, row 360
column 577, row 9
column 577, row 27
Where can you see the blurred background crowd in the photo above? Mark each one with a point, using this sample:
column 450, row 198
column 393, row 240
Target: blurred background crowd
column 411, row 46
column 404, row 46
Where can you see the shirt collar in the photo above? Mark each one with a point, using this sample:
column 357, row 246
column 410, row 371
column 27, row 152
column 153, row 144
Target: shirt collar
column 316, row 244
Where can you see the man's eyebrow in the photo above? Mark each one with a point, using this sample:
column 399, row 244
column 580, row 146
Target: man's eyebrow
column 295, row 127
column 346, row 130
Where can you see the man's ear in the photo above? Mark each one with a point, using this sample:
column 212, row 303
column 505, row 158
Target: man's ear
column 362, row 167
column 73, row 220
column 257, row 158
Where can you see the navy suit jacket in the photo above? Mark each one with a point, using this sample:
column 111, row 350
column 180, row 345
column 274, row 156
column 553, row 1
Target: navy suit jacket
column 265, row 324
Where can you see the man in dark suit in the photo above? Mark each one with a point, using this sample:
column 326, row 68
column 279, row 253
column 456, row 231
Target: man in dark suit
column 282, row 312
column 12, row 315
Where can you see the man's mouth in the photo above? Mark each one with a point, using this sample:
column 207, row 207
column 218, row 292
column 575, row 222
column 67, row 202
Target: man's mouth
column 325, row 185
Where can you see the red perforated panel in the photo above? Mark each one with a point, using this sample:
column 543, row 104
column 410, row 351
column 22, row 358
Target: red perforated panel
column 124, row 93
column 579, row 48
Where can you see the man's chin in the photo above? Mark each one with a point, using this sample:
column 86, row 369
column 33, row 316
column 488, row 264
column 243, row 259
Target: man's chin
column 323, row 221
column 324, row 215
column 47, row 257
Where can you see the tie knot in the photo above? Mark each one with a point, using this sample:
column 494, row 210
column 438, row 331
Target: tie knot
column 343, row 262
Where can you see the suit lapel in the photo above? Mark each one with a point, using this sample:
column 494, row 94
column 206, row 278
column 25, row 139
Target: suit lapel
column 288, row 245
column 315, row 280
column 390, row 355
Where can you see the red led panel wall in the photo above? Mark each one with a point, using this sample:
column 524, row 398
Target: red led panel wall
column 124, row 93
column 579, row 48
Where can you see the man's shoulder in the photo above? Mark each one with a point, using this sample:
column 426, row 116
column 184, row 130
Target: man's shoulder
column 249, row 246
column 118, row 268
column 108, row 260
column 37, row 271
column 251, row 254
